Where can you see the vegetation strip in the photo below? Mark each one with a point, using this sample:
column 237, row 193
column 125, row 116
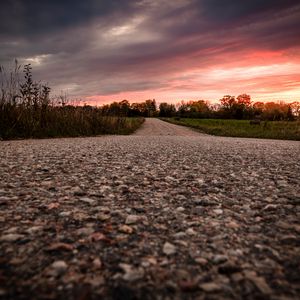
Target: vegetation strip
column 242, row 128
column 28, row 111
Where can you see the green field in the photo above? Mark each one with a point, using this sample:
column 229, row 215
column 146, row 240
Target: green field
column 242, row 128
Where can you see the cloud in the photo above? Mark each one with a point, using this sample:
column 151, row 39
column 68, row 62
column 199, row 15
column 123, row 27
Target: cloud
column 30, row 17
column 119, row 47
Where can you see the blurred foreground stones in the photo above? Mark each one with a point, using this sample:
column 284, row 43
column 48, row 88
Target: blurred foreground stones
column 150, row 217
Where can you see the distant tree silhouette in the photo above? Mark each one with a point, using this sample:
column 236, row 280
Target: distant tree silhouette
column 167, row 110
column 244, row 100
column 295, row 106
column 230, row 107
column 151, row 108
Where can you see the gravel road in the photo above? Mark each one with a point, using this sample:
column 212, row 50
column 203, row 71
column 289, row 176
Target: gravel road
column 167, row 213
column 157, row 127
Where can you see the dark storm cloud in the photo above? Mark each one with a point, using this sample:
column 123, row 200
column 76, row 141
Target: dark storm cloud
column 103, row 47
column 231, row 11
column 31, row 17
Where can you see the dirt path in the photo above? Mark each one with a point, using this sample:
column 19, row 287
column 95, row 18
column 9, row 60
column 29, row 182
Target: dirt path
column 150, row 216
column 157, row 127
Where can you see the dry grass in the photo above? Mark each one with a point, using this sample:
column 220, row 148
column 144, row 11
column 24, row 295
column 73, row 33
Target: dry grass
column 27, row 111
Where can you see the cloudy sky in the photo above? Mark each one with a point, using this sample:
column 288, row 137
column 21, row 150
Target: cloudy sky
column 105, row 50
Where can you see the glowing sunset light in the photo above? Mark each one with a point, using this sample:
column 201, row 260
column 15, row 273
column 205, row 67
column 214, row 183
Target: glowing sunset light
column 254, row 71
column 108, row 51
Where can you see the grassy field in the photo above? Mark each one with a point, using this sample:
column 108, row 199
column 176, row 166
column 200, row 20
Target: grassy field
column 241, row 128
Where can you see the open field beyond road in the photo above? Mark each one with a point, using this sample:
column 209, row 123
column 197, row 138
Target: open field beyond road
column 284, row 130
column 167, row 213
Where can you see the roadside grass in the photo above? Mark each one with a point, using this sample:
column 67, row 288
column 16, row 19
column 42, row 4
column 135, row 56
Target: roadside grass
column 285, row 130
column 18, row 121
column 27, row 111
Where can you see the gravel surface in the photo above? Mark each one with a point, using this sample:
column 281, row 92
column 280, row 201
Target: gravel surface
column 157, row 127
column 166, row 213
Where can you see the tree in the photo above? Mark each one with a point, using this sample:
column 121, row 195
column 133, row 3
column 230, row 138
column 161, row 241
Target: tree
column 138, row 109
column 243, row 107
column 275, row 111
column 228, row 102
column 124, row 107
column 244, row 100
column 182, row 108
column 201, row 107
column 228, row 106
column 295, row 107
column 289, row 114
column 151, row 108
column 166, row 110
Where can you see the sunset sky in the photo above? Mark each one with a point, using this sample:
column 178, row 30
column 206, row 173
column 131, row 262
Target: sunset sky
column 103, row 51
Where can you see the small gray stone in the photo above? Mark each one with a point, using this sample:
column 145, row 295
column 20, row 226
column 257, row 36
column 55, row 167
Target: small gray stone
column 59, row 267
column 85, row 231
column 169, row 249
column 270, row 207
column 88, row 201
column 179, row 235
column 210, row 287
column 218, row 259
column 218, row 211
column 131, row 219
column 131, row 273
column 180, row 209
column 11, row 237
column 77, row 191
column 190, row 231
column 65, row 213
column 34, row 229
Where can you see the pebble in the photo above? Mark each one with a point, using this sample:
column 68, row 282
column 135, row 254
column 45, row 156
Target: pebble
column 260, row 282
column 85, row 231
column 210, row 287
column 218, row 211
column 59, row 267
column 77, row 191
column 97, row 263
column 126, row 229
column 65, row 214
column 132, row 219
column 103, row 217
column 131, row 273
column 88, row 200
column 3, row 292
column 180, row 209
column 201, row 261
column 179, row 235
column 233, row 225
column 218, row 259
column 169, row 249
column 270, row 207
column 34, row 229
column 190, row 231
column 11, row 237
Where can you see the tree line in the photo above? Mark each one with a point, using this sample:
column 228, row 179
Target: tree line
column 229, row 107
